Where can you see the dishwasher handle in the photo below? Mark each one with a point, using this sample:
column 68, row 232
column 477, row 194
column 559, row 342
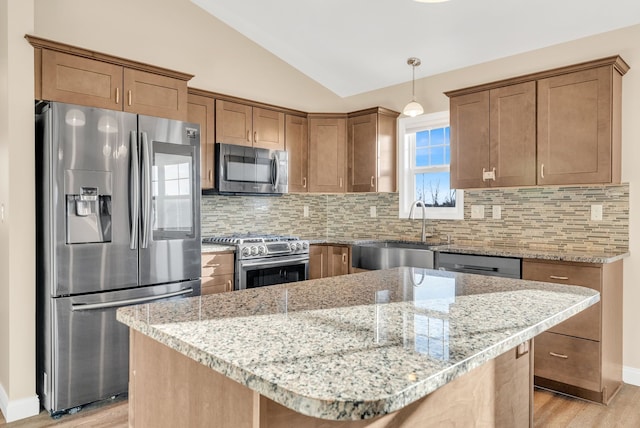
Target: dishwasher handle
column 136, row 301
column 478, row 268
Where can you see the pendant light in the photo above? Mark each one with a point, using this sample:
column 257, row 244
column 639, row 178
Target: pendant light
column 414, row 108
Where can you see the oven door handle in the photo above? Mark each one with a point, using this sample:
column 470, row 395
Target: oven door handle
column 275, row 262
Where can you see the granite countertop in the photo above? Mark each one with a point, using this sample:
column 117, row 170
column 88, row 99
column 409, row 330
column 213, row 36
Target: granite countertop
column 358, row 346
column 586, row 256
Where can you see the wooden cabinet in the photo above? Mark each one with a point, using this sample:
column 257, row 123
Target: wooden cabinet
column 583, row 355
column 297, row 146
column 559, row 126
column 371, row 147
column 329, row 260
column 245, row 125
column 217, row 272
column 327, row 153
column 201, row 111
column 78, row 76
column 579, row 127
column 493, row 137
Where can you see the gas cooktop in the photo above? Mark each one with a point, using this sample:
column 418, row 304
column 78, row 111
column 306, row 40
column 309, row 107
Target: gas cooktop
column 247, row 238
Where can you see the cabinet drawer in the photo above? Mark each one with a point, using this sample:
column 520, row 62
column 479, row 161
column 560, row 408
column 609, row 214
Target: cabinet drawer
column 568, row 360
column 217, row 264
column 217, row 284
column 586, row 324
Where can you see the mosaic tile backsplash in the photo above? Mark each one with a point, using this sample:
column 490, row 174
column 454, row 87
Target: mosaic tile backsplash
column 535, row 217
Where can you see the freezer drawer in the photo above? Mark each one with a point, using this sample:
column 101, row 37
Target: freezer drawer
column 86, row 358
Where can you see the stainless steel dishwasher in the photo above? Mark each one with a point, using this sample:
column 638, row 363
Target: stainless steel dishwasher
column 510, row 267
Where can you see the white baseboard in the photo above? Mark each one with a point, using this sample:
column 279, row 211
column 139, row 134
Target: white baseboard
column 631, row 375
column 18, row 409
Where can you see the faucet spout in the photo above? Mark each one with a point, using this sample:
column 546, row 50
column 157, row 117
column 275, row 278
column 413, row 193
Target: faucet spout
column 417, row 203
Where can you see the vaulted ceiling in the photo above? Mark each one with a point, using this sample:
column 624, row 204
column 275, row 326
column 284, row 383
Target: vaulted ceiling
column 356, row 46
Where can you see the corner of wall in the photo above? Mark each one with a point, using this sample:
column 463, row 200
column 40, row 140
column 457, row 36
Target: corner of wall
column 631, row 375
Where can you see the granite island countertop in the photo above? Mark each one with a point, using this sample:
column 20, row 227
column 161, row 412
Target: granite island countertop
column 362, row 345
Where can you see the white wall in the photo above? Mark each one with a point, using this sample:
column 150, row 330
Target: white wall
column 17, row 233
column 178, row 35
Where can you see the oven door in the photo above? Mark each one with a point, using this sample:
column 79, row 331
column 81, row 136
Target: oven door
column 270, row 271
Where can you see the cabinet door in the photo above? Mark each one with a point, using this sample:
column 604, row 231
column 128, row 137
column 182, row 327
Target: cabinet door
column 513, row 135
column 201, row 111
column 77, row 80
column 362, row 134
column 318, row 255
column 268, row 129
column 338, row 261
column 327, row 153
column 574, row 128
column 155, row 95
column 297, row 145
column 469, row 122
column 233, row 123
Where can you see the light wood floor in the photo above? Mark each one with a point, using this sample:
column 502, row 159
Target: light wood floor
column 550, row 411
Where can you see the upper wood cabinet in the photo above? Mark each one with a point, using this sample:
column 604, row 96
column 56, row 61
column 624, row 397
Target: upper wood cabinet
column 201, row 111
column 559, row 126
column 371, row 147
column 246, row 125
column 297, row 146
column 327, row 153
column 493, row 137
column 579, row 127
column 78, row 76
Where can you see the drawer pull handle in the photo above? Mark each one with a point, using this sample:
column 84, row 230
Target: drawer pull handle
column 564, row 357
column 229, row 286
column 129, row 96
column 117, row 95
column 372, row 182
column 344, row 258
column 542, row 171
column 304, row 182
column 563, row 278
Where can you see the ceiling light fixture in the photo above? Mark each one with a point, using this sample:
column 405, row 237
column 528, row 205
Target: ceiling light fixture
column 414, row 108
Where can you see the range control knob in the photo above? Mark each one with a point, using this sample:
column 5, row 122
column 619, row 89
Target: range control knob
column 246, row 251
column 254, row 250
column 305, row 245
column 298, row 246
column 262, row 250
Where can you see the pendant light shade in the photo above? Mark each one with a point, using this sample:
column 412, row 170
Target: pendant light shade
column 414, row 108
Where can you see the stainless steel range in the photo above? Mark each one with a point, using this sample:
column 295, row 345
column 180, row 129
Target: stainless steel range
column 263, row 260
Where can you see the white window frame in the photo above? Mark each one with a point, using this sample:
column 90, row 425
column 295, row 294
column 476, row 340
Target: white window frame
column 407, row 170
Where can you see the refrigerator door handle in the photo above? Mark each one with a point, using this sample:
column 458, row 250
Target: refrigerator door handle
column 134, row 191
column 104, row 305
column 146, row 191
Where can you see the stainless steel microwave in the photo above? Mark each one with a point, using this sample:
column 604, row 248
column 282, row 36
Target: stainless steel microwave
column 250, row 170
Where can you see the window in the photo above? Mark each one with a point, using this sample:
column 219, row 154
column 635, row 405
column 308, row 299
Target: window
column 423, row 167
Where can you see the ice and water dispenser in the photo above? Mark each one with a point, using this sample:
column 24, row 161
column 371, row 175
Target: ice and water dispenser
column 88, row 206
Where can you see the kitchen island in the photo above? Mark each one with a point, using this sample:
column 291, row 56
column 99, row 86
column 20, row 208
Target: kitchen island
column 398, row 347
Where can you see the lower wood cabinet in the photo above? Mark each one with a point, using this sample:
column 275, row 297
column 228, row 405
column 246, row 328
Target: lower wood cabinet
column 583, row 355
column 329, row 260
column 217, row 272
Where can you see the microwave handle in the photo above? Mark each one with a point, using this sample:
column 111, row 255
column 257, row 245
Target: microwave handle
column 277, row 169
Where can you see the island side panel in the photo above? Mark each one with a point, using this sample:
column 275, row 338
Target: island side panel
column 168, row 389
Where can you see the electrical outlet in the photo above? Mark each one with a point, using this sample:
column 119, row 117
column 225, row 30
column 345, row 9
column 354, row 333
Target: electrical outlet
column 305, row 211
column 596, row 212
column 373, row 212
column 477, row 211
column 496, row 212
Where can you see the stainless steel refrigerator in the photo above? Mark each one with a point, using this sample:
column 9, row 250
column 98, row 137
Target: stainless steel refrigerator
column 118, row 223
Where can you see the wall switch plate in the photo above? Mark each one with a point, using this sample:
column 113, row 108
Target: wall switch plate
column 373, row 212
column 496, row 212
column 596, row 212
column 305, row 211
column 477, row 211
